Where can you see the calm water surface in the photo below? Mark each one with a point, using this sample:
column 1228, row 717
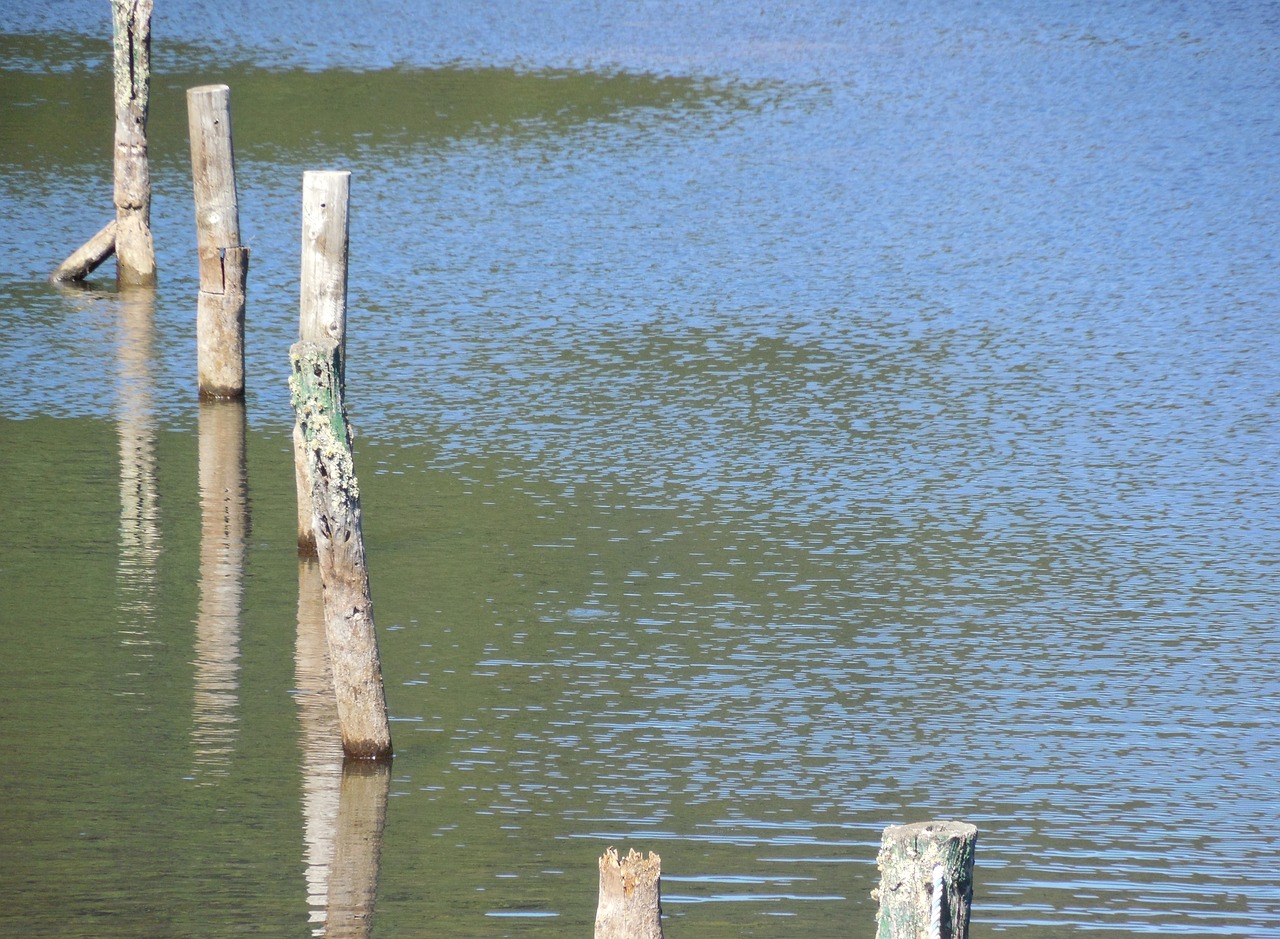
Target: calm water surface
column 774, row 424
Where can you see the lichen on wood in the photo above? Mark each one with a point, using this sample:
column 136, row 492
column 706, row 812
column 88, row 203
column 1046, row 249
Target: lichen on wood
column 909, row 856
column 316, row 391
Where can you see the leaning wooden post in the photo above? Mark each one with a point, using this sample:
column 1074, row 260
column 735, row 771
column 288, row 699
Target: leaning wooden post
column 630, row 904
column 86, row 259
column 224, row 262
column 926, row 880
column 131, row 40
column 334, row 499
column 326, row 196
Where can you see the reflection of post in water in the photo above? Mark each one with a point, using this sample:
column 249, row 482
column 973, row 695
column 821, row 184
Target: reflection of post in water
column 321, row 742
column 353, row 879
column 344, row 804
column 224, row 510
column 139, row 514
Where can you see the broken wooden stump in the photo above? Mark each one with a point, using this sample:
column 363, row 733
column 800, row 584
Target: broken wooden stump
column 926, row 880
column 630, row 905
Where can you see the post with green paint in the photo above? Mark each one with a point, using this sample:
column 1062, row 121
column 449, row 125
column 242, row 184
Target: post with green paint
column 326, row 198
column 317, row 393
column 926, row 880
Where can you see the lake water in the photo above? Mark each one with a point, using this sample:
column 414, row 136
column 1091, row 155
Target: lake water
column 775, row 423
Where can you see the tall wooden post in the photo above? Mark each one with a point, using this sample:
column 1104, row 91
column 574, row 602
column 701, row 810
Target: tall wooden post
column 326, row 196
column 224, row 262
column 630, row 904
column 131, row 35
column 334, row 500
column 926, row 880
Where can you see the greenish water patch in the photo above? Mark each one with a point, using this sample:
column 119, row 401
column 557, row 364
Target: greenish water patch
column 57, row 107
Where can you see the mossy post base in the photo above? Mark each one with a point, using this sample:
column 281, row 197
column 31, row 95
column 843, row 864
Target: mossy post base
column 630, row 904
column 317, row 393
column 926, row 880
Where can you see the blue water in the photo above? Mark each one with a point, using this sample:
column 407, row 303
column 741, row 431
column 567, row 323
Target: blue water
column 899, row 398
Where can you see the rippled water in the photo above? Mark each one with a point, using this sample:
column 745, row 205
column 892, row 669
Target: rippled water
column 775, row 424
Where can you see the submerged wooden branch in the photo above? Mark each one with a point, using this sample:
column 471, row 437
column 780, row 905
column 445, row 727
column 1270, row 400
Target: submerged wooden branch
column 334, row 498
column 88, row 257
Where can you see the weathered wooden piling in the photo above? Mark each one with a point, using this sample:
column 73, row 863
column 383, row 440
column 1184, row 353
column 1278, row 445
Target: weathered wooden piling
column 224, row 261
column 926, row 880
column 326, row 196
column 630, row 905
column 334, row 500
column 128, row 236
column 131, row 41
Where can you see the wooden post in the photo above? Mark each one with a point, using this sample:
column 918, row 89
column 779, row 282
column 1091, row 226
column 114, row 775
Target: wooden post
column 630, row 904
column 86, row 259
column 131, row 35
column 326, row 196
column 224, row 262
column 334, row 499
column 926, row 880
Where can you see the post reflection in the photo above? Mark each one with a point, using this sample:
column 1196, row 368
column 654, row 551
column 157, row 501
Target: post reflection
column 321, row 743
column 344, row 804
column 224, row 509
column 139, row 503
column 353, row 880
